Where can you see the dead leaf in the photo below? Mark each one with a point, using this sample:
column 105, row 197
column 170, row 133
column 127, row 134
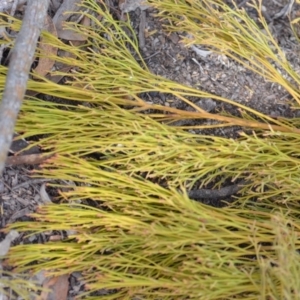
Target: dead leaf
column 86, row 21
column 62, row 15
column 44, row 195
column 59, row 66
column 46, row 63
column 131, row 5
column 5, row 244
column 57, row 288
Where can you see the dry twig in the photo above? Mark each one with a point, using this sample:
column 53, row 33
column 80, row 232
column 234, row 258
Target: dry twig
column 30, row 159
column 17, row 76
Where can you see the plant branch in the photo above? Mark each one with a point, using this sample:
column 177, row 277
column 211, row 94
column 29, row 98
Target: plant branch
column 17, row 76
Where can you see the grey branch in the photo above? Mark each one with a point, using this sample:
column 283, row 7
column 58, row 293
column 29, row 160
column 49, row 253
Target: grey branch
column 17, row 75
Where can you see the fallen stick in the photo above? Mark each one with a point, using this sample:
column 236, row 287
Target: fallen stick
column 17, row 75
column 30, row 159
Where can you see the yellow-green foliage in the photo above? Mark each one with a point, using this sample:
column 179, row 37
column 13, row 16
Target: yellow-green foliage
column 151, row 242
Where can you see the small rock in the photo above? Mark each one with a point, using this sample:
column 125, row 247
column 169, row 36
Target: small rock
column 207, row 104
